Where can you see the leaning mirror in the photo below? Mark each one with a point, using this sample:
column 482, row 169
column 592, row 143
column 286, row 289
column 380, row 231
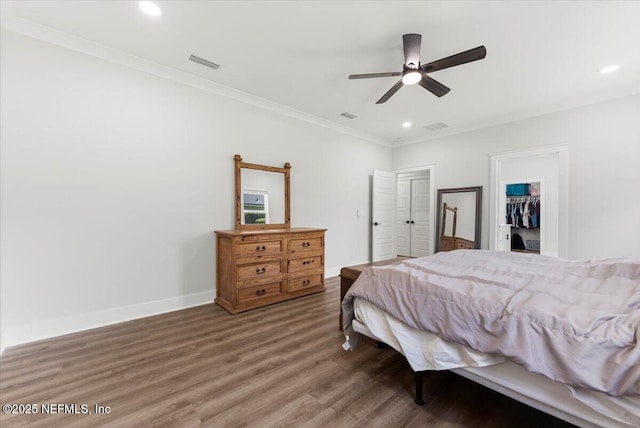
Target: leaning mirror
column 458, row 218
column 262, row 195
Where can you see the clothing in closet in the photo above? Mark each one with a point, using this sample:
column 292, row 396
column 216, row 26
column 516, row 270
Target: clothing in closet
column 523, row 212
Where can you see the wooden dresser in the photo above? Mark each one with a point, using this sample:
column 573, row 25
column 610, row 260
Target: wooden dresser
column 256, row 268
column 450, row 243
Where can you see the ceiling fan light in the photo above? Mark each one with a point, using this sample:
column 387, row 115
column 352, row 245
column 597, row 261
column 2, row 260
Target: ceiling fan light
column 150, row 8
column 411, row 77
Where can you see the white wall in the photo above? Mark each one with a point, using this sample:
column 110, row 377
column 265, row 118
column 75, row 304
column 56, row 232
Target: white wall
column 604, row 156
column 113, row 180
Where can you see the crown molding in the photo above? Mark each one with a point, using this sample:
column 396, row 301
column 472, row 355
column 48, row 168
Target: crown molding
column 79, row 44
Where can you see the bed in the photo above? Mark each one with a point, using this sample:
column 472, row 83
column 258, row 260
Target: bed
column 457, row 291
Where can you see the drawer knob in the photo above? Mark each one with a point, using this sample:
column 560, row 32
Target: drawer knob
column 306, row 244
column 263, row 248
column 306, row 282
column 261, row 271
column 261, row 292
column 306, row 262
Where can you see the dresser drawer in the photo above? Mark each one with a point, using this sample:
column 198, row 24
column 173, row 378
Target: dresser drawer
column 305, row 263
column 259, row 248
column 304, row 282
column 259, row 293
column 258, row 271
column 313, row 244
column 464, row 244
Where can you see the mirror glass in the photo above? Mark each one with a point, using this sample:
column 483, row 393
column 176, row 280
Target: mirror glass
column 262, row 197
column 459, row 218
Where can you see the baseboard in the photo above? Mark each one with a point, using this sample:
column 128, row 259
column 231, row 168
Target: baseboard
column 330, row 272
column 46, row 329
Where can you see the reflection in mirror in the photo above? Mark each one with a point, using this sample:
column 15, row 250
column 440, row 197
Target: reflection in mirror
column 262, row 192
column 463, row 205
column 449, row 220
column 255, row 207
column 459, row 212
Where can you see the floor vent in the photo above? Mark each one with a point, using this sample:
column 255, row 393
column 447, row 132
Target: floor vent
column 204, row 62
column 436, row 126
column 348, row 115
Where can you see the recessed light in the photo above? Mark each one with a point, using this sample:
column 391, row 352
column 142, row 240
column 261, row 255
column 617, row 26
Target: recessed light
column 150, row 8
column 609, row 68
column 406, row 125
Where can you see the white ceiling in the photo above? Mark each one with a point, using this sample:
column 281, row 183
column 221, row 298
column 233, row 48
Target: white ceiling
column 542, row 56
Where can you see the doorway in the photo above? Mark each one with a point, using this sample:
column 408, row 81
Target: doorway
column 522, row 208
column 417, row 237
column 546, row 166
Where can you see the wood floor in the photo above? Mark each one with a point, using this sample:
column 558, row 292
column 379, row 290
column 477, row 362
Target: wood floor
column 281, row 365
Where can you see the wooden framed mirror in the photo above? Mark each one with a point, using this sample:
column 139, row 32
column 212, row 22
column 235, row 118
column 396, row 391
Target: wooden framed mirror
column 262, row 195
column 458, row 218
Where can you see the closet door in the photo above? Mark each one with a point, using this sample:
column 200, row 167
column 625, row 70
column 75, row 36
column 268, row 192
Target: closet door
column 420, row 217
column 412, row 214
column 403, row 216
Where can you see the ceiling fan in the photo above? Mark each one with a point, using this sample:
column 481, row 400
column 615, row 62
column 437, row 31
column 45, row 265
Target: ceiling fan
column 413, row 72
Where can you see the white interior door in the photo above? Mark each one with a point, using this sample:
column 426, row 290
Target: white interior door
column 382, row 216
column 419, row 217
column 403, row 217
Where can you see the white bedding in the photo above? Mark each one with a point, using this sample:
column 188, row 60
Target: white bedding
column 426, row 351
column 423, row 350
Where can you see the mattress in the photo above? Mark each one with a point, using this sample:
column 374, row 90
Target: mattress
column 426, row 351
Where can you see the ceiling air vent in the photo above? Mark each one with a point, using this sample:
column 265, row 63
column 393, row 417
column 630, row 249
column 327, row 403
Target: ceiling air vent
column 436, row 126
column 348, row 115
column 204, row 62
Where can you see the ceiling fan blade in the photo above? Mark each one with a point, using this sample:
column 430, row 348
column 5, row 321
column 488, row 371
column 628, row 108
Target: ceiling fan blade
column 370, row 75
column 460, row 58
column 390, row 92
column 433, row 86
column 411, row 45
